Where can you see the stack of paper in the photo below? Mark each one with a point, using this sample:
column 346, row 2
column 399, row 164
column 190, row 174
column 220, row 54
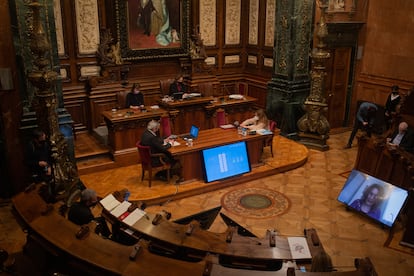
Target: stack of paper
column 109, row 202
column 120, row 210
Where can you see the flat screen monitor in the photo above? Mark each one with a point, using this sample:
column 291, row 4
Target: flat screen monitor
column 373, row 197
column 225, row 161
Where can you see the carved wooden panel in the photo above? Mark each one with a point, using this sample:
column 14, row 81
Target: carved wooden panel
column 270, row 23
column 253, row 22
column 208, row 22
column 87, row 26
column 59, row 27
column 232, row 22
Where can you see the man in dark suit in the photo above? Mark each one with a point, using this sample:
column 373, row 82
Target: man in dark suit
column 393, row 101
column 364, row 120
column 159, row 145
column 402, row 138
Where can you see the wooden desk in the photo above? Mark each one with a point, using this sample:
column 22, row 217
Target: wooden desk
column 190, row 157
column 200, row 111
column 125, row 127
column 187, row 112
column 235, row 109
column 95, row 255
column 92, row 255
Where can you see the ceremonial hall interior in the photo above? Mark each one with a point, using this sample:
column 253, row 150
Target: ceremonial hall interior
column 271, row 201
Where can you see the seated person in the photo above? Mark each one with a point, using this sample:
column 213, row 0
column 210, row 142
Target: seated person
column 259, row 121
column 402, row 138
column 178, row 86
column 158, row 145
column 135, row 99
column 39, row 158
column 80, row 212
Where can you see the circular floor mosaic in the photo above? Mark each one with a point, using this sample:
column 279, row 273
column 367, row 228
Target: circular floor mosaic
column 255, row 202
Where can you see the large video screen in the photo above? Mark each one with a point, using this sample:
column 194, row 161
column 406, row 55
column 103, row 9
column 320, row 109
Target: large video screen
column 373, row 197
column 225, row 161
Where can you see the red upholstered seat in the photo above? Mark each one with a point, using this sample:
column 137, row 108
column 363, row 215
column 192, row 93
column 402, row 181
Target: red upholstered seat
column 269, row 141
column 147, row 164
column 221, row 117
column 165, row 126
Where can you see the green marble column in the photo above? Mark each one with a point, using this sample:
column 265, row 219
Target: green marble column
column 290, row 83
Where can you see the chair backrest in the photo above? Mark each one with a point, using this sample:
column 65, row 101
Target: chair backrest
column 144, row 153
column 272, row 125
column 165, row 86
column 121, row 98
column 206, row 89
column 165, row 126
column 221, row 117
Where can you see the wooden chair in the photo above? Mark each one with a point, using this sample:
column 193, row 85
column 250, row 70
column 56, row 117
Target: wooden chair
column 221, row 117
column 165, row 86
column 165, row 126
column 121, row 98
column 147, row 165
column 269, row 141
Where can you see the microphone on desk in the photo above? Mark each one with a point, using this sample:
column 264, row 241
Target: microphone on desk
column 160, row 215
column 272, row 237
column 190, row 229
column 134, row 252
column 230, row 234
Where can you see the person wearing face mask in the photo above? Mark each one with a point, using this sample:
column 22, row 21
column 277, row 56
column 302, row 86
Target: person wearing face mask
column 39, row 156
column 259, row 121
column 135, row 99
column 393, row 100
column 178, row 87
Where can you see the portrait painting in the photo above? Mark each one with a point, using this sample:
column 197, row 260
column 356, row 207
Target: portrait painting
column 150, row 29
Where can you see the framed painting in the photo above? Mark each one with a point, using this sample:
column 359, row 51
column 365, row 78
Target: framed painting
column 152, row 29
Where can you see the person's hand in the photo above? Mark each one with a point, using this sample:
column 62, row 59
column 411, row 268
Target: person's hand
column 134, row 107
column 388, row 140
column 364, row 123
column 42, row 163
column 141, row 106
column 49, row 171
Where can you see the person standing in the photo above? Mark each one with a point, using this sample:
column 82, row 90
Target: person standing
column 135, row 99
column 391, row 104
column 364, row 120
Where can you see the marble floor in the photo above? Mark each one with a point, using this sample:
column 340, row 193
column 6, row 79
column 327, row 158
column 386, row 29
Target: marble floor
column 312, row 190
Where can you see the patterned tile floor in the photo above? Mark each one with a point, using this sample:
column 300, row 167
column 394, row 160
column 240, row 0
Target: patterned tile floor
column 312, row 190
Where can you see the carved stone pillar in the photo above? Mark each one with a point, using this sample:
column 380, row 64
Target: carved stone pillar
column 290, row 79
column 314, row 127
column 43, row 80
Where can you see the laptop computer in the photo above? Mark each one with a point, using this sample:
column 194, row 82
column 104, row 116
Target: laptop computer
column 193, row 133
column 178, row 95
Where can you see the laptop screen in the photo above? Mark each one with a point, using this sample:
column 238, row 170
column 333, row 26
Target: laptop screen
column 194, row 131
column 178, row 95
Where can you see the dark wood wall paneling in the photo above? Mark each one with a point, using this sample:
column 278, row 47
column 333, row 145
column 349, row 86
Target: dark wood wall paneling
column 86, row 106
